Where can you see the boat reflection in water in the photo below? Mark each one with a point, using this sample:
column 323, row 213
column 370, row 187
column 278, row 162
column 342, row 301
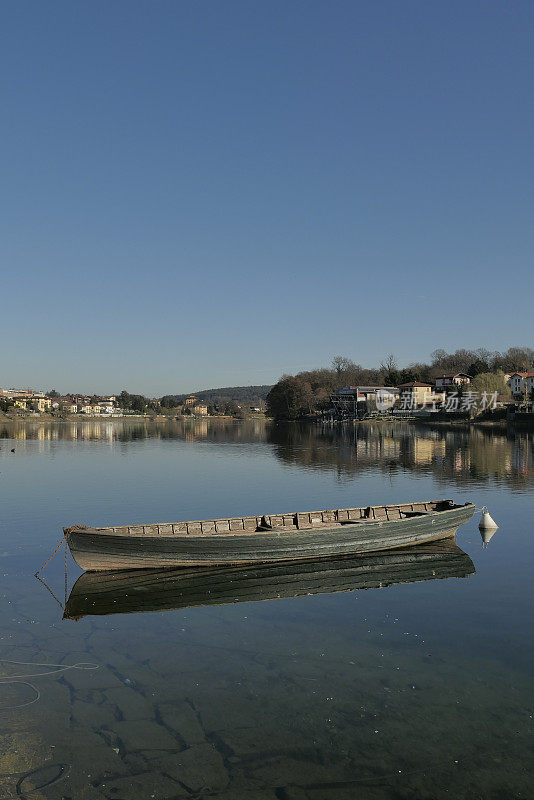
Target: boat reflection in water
column 131, row 591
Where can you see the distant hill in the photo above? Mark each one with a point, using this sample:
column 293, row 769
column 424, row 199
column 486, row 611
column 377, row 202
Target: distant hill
column 242, row 395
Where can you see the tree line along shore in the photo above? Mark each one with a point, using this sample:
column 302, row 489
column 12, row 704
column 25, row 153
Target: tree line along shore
column 309, row 393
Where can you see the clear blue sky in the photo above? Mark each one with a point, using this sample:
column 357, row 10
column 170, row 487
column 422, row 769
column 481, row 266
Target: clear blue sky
column 201, row 194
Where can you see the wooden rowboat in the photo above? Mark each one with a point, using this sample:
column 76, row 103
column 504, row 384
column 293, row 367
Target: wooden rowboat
column 134, row 591
column 267, row 538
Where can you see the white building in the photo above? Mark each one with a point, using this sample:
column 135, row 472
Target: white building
column 90, row 408
column 520, row 381
column 453, row 379
column 361, row 394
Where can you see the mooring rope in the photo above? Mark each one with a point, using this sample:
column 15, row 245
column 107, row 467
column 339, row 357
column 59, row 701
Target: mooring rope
column 61, row 541
column 48, row 589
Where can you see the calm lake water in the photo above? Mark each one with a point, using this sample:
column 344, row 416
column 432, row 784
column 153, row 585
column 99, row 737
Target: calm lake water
column 419, row 690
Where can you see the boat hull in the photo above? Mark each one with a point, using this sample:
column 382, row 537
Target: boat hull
column 100, row 549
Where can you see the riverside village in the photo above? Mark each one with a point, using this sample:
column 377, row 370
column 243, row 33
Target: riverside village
column 455, row 394
column 451, row 393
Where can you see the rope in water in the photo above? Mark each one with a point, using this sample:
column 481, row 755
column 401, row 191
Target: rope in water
column 29, row 702
column 58, row 668
column 48, row 589
column 63, row 539
column 63, row 770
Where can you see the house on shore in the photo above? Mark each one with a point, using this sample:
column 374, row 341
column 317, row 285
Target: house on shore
column 27, row 399
column 358, row 400
column 362, row 394
column 454, row 379
column 91, row 408
column 521, row 383
column 68, row 406
column 416, row 394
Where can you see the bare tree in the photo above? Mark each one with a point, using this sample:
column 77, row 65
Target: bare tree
column 341, row 364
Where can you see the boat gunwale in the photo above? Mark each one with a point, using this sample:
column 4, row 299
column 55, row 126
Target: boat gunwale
column 124, row 531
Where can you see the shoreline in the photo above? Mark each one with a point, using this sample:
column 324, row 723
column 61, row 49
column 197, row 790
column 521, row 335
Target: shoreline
column 78, row 418
column 465, row 424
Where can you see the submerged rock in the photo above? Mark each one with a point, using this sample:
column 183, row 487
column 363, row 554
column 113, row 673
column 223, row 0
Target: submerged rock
column 182, row 719
column 145, row 785
column 130, row 703
column 22, row 752
column 144, row 735
column 199, row 768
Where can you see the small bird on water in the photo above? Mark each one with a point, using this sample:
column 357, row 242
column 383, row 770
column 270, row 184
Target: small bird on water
column 12, row 449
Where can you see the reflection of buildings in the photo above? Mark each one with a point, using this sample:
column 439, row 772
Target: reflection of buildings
column 463, row 456
column 461, row 461
column 190, row 429
column 466, row 456
column 373, row 449
column 198, row 430
column 522, row 459
column 425, row 450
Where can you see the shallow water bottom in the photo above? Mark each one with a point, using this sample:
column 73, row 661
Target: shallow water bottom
column 239, row 701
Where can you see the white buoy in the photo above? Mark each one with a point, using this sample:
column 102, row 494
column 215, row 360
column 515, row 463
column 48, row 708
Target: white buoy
column 486, row 521
column 487, row 526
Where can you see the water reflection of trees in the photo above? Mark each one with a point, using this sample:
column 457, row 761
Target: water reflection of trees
column 215, row 430
column 465, row 455
column 470, row 455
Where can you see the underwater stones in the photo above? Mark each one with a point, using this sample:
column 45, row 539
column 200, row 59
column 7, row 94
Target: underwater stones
column 227, row 709
column 200, row 768
column 84, row 793
column 182, row 719
column 144, row 735
column 136, row 763
column 350, row 792
column 92, row 714
column 130, row 703
column 282, row 771
column 54, row 691
column 86, row 680
column 145, row 785
column 242, row 787
column 123, row 664
column 22, row 752
column 168, row 663
column 92, row 757
column 41, row 778
column 295, row 793
column 253, row 742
